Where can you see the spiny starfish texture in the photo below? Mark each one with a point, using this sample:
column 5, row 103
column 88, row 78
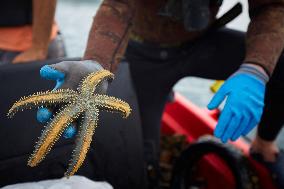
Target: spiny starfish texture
column 82, row 103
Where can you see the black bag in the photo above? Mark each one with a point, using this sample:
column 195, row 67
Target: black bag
column 116, row 153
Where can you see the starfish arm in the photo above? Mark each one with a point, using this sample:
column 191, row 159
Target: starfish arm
column 43, row 99
column 112, row 104
column 83, row 141
column 90, row 83
column 53, row 131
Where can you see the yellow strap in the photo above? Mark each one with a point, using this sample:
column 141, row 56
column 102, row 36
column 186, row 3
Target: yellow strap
column 216, row 86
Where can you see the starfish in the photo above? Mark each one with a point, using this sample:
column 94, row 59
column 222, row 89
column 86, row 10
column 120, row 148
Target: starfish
column 81, row 103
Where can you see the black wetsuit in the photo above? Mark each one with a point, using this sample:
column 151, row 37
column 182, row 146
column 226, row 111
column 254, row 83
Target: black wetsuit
column 156, row 70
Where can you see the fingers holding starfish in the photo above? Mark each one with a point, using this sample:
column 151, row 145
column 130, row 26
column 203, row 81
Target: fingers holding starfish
column 75, row 104
column 53, row 131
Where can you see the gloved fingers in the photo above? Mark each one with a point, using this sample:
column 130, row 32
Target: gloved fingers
column 217, row 99
column 47, row 72
column 231, row 127
column 252, row 124
column 44, row 115
column 76, row 71
column 224, row 120
column 243, row 125
column 50, row 73
column 256, row 114
column 70, row 131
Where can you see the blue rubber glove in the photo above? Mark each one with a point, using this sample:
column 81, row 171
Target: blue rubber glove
column 67, row 75
column 245, row 92
column 45, row 114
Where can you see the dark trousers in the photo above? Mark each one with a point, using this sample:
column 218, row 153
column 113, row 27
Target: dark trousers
column 217, row 55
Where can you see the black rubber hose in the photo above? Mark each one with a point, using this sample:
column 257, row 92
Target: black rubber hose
column 195, row 152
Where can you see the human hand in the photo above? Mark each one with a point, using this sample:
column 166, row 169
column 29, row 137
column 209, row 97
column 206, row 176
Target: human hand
column 245, row 91
column 68, row 74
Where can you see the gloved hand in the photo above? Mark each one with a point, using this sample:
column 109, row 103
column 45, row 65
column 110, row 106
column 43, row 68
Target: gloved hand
column 68, row 74
column 245, row 92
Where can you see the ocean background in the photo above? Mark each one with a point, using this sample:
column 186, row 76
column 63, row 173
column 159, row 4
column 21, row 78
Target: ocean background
column 75, row 18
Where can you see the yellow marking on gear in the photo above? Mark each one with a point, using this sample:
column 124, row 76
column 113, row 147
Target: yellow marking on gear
column 216, row 86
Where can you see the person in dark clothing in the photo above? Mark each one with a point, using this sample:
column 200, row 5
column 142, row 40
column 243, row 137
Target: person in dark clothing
column 163, row 48
column 28, row 31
